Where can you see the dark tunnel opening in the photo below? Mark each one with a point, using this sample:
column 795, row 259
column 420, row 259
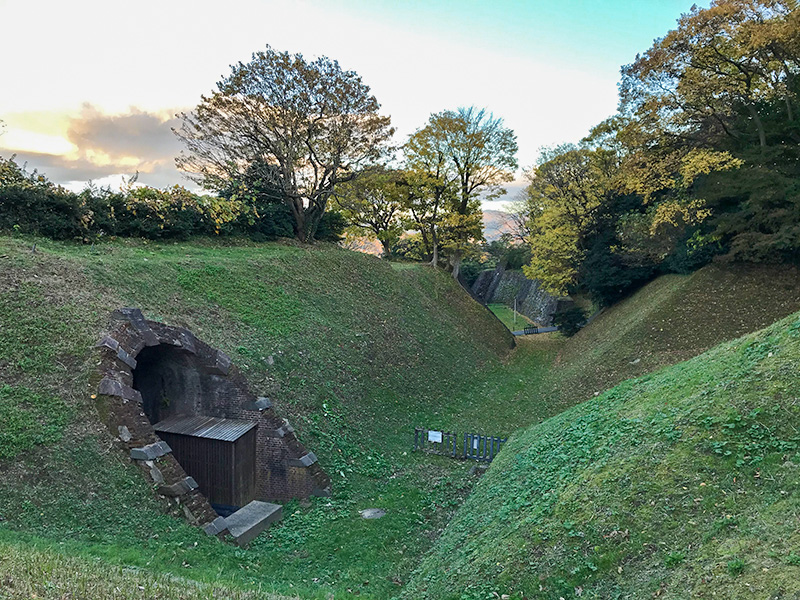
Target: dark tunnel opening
column 169, row 380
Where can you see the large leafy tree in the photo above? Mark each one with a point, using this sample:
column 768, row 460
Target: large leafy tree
column 472, row 150
column 566, row 190
column 711, row 127
column 431, row 189
column 734, row 58
column 700, row 160
column 314, row 124
column 372, row 204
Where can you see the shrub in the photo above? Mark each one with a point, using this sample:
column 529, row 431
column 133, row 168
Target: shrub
column 51, row 212
column 331, row 227
column 470, row 269
column 570, row 320
column 695, row 251
column 270, row 222
column 410, row 247
column 30, row 203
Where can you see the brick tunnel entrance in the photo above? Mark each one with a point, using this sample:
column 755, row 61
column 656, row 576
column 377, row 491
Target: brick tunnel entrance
column 187, row 416
column 175, row 381
column 178, row 394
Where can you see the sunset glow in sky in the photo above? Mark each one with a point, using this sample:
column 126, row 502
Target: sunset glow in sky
column 90, row 88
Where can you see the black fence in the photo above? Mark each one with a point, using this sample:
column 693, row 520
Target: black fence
column 441, row 442
column 469, row 446
column 533, row 329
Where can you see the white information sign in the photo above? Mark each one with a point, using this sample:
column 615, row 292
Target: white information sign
column 475, row 443
column 435, row 436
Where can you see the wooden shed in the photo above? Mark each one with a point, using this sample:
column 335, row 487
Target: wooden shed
column 220, row 454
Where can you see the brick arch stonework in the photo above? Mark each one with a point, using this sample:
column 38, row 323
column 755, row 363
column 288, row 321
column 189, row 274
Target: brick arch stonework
column 214, row 388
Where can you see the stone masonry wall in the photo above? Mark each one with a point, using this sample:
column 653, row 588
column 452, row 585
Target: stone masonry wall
column 502, row 286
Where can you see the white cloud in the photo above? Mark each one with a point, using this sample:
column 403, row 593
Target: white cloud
column 154, row 55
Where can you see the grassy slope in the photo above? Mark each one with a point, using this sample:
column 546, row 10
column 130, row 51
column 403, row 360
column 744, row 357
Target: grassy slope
column 680, row 483
column 27, row 572
column 356, row 345
column 362, row 351
column 671, row 319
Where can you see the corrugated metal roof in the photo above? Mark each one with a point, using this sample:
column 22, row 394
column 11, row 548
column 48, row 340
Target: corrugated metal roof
column 226, row 430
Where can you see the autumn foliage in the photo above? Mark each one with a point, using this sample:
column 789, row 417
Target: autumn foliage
column 701, row 161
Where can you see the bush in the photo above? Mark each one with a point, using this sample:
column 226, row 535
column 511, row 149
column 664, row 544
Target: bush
column 470, row 269
column 331, row 227
column 272, row 221
column 54, row 212
column 29, row 203
column 32, row 204
column 410, row 247
column 570, row 320
column 695, row 251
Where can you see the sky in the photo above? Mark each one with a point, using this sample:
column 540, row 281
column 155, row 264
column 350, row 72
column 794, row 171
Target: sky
column 90, row 88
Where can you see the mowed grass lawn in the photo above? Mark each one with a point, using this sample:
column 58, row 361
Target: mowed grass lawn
column 512, row 321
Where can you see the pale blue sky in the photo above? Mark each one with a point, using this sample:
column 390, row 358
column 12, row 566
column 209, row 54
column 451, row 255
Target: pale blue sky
column 95, row 83
column 601, row 33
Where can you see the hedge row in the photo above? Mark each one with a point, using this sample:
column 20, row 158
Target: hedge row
column 30, row 203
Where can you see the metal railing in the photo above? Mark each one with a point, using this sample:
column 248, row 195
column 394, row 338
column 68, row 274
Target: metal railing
column 473, row 446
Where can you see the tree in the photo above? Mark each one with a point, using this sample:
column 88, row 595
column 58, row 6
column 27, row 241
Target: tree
column 372, row 205
column 566, row 190
column 314, row 123
column 474, row 151
column 519, row 219
column 735, row 57
column 430, row 188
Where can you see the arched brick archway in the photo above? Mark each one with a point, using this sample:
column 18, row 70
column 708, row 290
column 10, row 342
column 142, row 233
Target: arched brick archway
column 154, row 377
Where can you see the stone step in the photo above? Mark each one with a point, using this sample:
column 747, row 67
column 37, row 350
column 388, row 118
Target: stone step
column 250, row 520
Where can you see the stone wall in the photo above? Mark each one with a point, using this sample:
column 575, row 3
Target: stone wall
column 183, row 375
column 502, row 286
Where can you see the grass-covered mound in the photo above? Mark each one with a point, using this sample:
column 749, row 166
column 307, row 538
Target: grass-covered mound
column 683, row 483
column 669, row 320
column 354, row 351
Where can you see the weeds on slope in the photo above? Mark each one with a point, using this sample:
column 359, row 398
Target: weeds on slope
column 680, row 483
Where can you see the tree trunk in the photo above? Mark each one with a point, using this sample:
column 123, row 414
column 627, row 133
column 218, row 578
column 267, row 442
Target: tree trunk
column 385, row 246
column 312, row 223
column 311, row 218
column 434, row 248
column 426, row 245
column 762, row 137
column 299, row 219
column 456, row 262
